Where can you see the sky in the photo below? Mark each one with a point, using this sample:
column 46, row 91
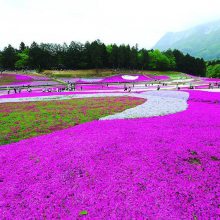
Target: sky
column 141, row 22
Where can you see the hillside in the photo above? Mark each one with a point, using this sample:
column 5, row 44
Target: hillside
column 200, row 41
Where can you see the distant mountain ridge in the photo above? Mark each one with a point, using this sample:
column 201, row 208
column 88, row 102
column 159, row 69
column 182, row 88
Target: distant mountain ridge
column 201, row 41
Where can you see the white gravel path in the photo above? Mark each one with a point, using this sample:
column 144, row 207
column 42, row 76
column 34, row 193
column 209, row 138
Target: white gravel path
column 158, row 103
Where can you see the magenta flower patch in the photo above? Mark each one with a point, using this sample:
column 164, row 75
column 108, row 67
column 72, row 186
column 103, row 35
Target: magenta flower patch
column 151, row 168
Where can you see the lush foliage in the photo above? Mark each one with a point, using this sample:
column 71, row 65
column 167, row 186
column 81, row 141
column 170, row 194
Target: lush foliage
column 96, row 55
column 28, row 119
column 213, row 71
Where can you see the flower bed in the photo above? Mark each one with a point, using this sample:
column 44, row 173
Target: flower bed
column 13, row 79
column 156, row 168
column 8, row 79
column 122, row 78
column 36, row 118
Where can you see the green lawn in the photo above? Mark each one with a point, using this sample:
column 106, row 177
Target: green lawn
column 23, row 120
column 172, row 74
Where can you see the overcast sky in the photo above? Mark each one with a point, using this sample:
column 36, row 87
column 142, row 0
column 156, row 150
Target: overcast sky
column 112, row 21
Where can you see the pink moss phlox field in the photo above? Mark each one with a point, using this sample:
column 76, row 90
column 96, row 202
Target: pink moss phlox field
column 16, row 78
column 211, row 80
column 118, row 78
column 153, row 168
column 23, row 77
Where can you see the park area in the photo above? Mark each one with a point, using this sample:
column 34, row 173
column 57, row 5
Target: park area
column 141, row 145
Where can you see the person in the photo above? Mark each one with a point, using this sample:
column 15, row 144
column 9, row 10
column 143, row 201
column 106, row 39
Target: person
column 8, row 89
column 129, row 89
column 15, row 90
column 209, row 85
column 158, row 87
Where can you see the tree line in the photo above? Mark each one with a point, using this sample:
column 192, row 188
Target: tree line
column 97, row 55
column 213, row 69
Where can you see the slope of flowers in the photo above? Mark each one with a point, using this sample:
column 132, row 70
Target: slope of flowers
column 9, row 79
column 120, row 78
column 14, row 79
column 155, row 168
column 211, row 79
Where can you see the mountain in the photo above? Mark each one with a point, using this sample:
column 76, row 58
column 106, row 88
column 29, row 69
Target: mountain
column 201, row 41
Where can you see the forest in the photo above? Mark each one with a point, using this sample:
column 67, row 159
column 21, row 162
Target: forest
column 96, row 55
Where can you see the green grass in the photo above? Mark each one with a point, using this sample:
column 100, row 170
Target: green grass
column 172, row 74
column 28, row 119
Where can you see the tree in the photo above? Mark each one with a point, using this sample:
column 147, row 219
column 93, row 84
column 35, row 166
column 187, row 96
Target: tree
column 158, row 61
column 8, row 57
column 213, row 71
column 143, row 59
column 23, row 59
column 22, row 47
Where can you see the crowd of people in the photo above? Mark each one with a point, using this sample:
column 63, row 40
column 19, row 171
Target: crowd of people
column 72, row 87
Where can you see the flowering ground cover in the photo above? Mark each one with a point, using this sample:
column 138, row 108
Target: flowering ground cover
column 17, row 79
column 122, row 78
column 151, row 168
column 24, row 120
column 211, row 80
column 7, row 79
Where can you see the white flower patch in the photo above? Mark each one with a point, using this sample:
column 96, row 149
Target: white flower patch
column 128, row 77
column 158, row 103
column 91, row 80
